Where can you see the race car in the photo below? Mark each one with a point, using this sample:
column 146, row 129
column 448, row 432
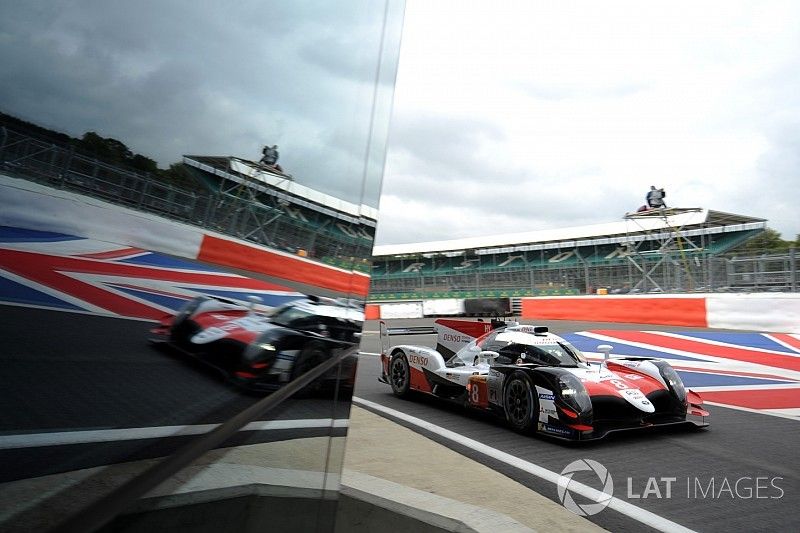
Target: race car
column 539, row 382
column 262, row 350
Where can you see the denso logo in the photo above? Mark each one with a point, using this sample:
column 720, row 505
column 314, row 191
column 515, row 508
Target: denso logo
column 418, row 359
column 449, row 337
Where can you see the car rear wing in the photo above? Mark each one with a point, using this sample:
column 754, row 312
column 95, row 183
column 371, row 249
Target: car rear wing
column 451, row 335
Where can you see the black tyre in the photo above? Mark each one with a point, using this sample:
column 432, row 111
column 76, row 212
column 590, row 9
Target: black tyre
column 520, row 404
column 183, row 327
column 399, row 375
column 180, row 334
column 310, row 356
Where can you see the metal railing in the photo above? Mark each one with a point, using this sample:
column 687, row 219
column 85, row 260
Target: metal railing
column 754, row 272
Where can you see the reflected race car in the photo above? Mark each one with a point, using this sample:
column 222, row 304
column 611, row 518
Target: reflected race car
column 259, row 350
column 539, row 382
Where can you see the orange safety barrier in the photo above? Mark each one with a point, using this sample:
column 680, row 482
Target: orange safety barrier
column 372, row 312
column 233, row 254
column 664, row 311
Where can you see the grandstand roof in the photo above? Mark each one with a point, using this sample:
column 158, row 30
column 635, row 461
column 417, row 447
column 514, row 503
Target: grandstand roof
column 253, row 174
column 705, row 220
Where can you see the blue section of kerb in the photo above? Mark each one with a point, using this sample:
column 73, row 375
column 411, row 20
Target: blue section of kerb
column 169, row 302
column 165, row 261
column 13, row 292
column 701, row 379
column 588, row 344
column 745, row 339
column 10, row 234
column 270, row 300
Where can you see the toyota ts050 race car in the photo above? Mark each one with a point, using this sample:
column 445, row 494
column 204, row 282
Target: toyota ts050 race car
column 263, row 350
column 538, row 381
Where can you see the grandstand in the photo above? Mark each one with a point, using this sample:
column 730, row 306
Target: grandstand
column 266, row 205
column 663, row 250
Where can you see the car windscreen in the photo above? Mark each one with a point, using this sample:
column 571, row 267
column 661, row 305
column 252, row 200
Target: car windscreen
column 290, row 316
column 543, row 349
column 555, row 354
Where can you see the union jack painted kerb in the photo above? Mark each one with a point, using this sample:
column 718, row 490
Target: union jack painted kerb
column 57, row 271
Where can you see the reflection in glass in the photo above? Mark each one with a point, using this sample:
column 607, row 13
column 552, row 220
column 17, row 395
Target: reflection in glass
column 153, row 153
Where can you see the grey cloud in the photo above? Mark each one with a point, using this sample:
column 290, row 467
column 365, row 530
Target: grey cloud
column 181, row 77
column 556, row 92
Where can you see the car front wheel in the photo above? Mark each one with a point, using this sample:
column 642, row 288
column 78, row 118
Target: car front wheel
column 399, row 375
column 519, row 403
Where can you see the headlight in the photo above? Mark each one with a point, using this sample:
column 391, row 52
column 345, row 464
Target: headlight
column 261, row 349
column 574, row 393
column 673, row 380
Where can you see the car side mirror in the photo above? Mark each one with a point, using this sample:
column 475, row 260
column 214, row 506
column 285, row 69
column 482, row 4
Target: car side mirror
column 606, row 349
column 254, row 300
column 488, row 356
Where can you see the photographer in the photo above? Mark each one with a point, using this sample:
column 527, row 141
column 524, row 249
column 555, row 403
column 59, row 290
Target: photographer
column 655, row 198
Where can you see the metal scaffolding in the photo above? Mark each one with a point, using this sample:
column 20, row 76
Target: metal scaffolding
column 661, row 252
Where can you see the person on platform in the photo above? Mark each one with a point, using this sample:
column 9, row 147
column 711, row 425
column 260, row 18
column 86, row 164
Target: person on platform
column 655, row 198
column 269, row 155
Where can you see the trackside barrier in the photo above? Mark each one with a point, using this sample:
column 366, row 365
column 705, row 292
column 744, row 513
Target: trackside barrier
column 443, row 307
column 401, row 310
column 757, row 312
column 28, row 205
column 487, row 306
column 754, row 312
column 666, row 310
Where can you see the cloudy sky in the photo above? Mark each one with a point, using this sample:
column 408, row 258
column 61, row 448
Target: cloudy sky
column 521, row 116
column 508, row 116
column 177, row 77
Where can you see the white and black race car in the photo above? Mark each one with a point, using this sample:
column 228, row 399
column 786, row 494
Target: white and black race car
column 538, row 381
column 263, row 350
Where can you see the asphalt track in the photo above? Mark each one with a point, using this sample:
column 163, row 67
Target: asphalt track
column 66, row 372
column 753, row 449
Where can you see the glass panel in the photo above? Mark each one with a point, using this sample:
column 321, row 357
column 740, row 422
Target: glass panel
column 152, row 153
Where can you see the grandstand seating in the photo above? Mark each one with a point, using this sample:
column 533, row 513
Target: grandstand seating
column 631, row 259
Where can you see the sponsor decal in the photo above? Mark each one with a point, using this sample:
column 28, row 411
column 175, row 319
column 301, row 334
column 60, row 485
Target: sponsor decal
column 556, row 430
column 634, row 376
column 546, row 396
column 417, row 359
column 449, row 337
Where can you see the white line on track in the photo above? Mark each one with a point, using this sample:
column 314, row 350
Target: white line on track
column 33, row 440
column 769, row 412
column 621, row 506
column 782, row 343
column 712, row 342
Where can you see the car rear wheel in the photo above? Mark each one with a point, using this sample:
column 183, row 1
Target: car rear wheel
column 399, row 375
column 520, row 406
column 310, row 356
